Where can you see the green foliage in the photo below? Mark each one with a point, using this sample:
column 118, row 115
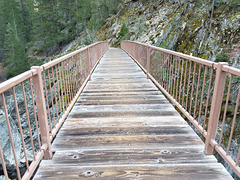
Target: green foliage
column 15, row 13
column 87, row 41
column 124, row 32
column 113, row 6
column 50, row 24
column 16, row 57
column 164, row 45
column 222, row 57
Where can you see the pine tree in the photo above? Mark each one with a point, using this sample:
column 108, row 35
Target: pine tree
column 46, row 25
column 2, row 31
column 26, row 9
column 99, row 16
column 15, row 53
column 10, row 13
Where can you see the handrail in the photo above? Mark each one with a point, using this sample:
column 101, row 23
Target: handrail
column 48, row 93
column 202, row 90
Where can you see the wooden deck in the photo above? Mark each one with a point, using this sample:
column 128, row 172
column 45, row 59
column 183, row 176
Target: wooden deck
column 122, row 127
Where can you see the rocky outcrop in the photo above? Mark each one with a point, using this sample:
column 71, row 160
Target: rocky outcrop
column 184, row 26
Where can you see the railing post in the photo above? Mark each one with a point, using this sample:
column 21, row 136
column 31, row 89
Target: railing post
column 42, row 112
column 215, row 108
column 148, row 60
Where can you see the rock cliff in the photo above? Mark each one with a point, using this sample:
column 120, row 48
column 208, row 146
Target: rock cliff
column 201, row 28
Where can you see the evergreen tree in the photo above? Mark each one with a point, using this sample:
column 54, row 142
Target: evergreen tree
column 26, row 9
column 10, row 13
column 15, row 53
column 45, row 24
column 2, row 31
column 83, row 13
column 13, row 16
column 99, row 14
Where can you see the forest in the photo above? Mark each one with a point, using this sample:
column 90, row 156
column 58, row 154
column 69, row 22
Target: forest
column 47, row 24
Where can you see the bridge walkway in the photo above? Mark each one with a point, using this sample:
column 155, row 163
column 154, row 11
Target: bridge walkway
column 122, row 127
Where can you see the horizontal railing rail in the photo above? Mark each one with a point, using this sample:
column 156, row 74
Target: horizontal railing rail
column 207, row 93
column 34, row 105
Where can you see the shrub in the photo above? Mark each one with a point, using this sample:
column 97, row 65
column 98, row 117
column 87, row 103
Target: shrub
column 222, row 57
column 124, row 32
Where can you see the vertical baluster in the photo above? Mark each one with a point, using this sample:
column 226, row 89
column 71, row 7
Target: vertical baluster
column 225, row 110
column 168, row 71
column 165, row 69
column 58, row 88
column 162, row 69
column 234, row 119
column 28, row 120
column 10, row 135
column 89, row 63
column 35, row 115
column 172, row 74
column 54, row 91
column 203, row 86
column 46, row 95
column 51, row 95
column 193, row 81
column 79, row 71
column 71, row 77
column 184, row 84
column 196, row 97
column 20, row 127
column 189, row 78
column 179, row 96
column 65, row 66
column 178, row 73
column 76, row 74
column 3, row 163
column 208, row 95
column 61, row 86
column 148, row 60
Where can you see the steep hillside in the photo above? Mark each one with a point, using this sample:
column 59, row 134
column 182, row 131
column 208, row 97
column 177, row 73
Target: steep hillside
column 201, row 28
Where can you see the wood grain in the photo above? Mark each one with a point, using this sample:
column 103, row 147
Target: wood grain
column 122, row 127
column 155, row 172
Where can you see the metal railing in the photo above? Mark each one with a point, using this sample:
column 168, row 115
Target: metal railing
column 34, row 105
column 207, row 93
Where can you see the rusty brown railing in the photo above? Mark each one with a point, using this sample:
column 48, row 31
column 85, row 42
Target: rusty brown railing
column 207, row 93
column 42, row 98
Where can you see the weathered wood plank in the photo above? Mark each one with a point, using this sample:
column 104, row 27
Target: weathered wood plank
column 142, row 94
column 126, row 114
column 113, row 142
column 115, row 131
column 125, row 107
column 120, row 102
column 122, row 127
column 131, row 156
column 125, row 122
column 167, row 171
